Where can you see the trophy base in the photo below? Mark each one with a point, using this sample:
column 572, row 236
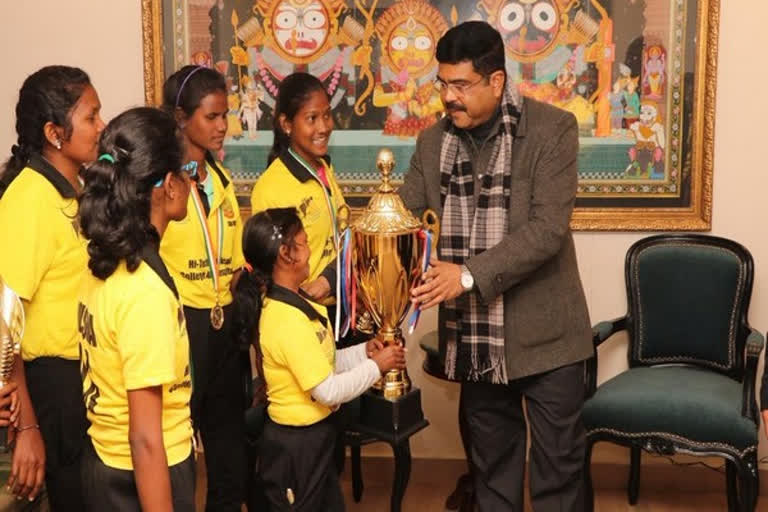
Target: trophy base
column 392, row 417
column 393, row 385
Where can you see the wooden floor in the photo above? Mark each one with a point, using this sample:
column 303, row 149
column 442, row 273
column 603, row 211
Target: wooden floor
column 431, row 498
column 428, row 498
column 432, row 481
column 690, row 490
column 667, row 489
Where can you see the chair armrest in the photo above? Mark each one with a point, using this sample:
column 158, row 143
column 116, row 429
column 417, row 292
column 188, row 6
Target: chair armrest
column 600, row 332
column 604, row 330
column 754, row 347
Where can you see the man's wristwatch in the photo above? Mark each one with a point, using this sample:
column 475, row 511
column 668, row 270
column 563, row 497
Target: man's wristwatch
column 467, row 281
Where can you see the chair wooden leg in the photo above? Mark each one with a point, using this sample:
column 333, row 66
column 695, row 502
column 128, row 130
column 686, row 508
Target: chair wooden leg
column 357, row 474
column 340, row 453
column 731, row 486
column 633, row 485
column 756, row 494
column 589, row 491
column 749, row 485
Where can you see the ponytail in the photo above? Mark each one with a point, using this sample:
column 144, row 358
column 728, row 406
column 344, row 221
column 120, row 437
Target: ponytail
column 13, row 166
column 280, row 144
column 248, row 302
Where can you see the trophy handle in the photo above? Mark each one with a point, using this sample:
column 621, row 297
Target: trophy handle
column 432, row 223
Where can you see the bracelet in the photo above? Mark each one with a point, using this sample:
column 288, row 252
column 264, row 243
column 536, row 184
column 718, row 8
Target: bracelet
column 27, row 427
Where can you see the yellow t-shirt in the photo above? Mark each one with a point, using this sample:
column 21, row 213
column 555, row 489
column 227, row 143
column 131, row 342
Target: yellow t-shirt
column 285, row 184
column 43, row 257
column 297, row 359
column 133, row 336
column 183, row 246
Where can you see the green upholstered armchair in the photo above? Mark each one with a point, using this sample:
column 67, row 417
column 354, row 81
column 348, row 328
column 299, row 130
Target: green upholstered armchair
column 690, row 386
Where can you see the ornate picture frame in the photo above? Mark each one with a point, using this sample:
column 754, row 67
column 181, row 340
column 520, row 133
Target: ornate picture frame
column 639, row 75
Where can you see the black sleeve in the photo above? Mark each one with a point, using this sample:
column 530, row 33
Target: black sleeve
column 330, row 274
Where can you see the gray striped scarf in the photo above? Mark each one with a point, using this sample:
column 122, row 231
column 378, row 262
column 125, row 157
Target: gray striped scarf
column 474, row 345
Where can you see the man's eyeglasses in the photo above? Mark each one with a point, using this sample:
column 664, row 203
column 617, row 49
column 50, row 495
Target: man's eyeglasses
column 457, row 88
column 189, row 168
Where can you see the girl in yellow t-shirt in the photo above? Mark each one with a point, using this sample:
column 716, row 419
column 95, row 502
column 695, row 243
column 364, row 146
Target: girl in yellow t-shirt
column 43, row 260
column 204, row 255
column 300, row 176
column 306, row 377
column 133, row 337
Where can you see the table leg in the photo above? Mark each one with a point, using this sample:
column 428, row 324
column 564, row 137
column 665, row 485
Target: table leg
column 402, row 454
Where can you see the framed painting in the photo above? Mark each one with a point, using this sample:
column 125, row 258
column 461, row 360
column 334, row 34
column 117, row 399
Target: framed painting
column 639, row 75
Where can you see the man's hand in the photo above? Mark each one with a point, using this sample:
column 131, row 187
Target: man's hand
column 765, row 421
column 317, row 289
column 441, row 282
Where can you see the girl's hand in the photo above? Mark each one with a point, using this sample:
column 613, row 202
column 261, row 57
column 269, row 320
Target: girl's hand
column 372, row 346
column 390, row 358
column 9, row 405
column 318, row 289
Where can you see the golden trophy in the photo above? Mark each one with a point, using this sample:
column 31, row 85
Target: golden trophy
column 11, row 332
column 388, row 250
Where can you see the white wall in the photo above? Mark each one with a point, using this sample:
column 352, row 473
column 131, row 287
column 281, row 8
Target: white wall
column 101, row 36
column 104, row 38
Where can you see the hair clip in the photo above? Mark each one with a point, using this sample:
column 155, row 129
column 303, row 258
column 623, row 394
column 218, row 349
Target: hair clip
column 109, row 158
column 191, row 169
column 276, row 233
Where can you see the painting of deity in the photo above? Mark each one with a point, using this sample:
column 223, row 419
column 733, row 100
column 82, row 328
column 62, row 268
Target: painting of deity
column 632, row 72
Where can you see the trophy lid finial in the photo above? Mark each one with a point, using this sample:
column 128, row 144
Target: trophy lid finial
column 386, row 213
column 385, row 161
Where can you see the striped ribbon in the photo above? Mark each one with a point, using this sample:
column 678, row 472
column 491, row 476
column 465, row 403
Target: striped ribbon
column 426, row 237
column 347, row 289
column 214, row 256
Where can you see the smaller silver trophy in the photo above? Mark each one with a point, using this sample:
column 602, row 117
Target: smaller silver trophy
column 11, row 331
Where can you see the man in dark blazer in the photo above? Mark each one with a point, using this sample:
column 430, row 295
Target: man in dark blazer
column 501, row 173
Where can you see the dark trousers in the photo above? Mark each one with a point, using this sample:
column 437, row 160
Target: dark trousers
column 497, row 438
column 218, row 405
column 114, row 490
column 56, row 390
column 297, row 467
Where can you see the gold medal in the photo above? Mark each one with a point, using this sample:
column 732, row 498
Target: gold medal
column 217, row 316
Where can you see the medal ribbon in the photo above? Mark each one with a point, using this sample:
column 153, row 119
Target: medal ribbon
column 213, row 256
column 328, row 201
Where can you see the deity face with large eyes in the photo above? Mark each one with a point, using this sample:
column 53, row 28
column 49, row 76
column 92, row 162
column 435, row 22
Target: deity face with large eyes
column 300, row 28
column 411, row 47
column 529, row 27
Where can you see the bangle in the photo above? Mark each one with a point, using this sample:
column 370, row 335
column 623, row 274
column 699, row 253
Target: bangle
column 27, row 427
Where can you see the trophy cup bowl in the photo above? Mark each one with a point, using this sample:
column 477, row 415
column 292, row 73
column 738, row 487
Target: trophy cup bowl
column 11, row 332
column 388, row 248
